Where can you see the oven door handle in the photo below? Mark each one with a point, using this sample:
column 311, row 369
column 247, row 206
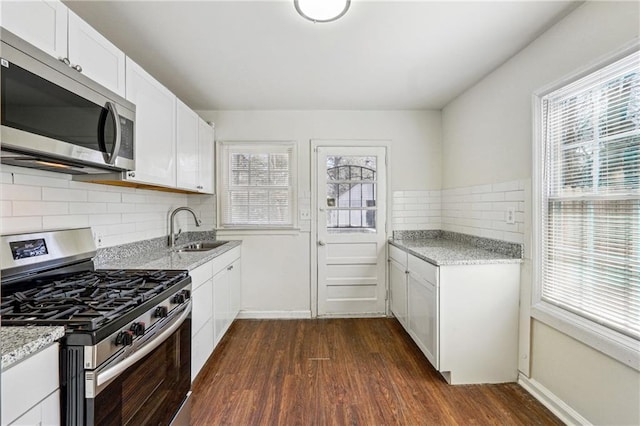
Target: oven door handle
column 112, row 372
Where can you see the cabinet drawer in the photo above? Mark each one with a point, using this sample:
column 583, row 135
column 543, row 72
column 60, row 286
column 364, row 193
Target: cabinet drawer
column 398, row 255
column 423, row 269
column 201, row 274
column 225, row 259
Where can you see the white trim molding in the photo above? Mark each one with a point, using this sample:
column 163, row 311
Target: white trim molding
column 246, row 314
column 547, row 398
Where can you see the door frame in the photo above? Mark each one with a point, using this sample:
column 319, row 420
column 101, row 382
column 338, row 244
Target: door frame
column 313, row 238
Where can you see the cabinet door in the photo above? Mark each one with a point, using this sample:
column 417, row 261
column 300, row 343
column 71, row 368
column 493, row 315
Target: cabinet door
column 155, row 137
column 398, row 290
column 187, row 147
column 205, row 157
column 202, row 308
column 100, row 60
column 220, row 304
column 42, row 23
column 201, row 348
column 423, row 316
column 235, row 290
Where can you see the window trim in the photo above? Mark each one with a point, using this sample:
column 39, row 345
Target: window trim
column 256, row 145
column 610, row 342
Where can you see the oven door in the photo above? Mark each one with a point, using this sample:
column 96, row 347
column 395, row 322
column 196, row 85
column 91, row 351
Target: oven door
column 150, row 387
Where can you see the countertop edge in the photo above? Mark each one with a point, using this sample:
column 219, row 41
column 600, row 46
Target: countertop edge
column 500, row 259
column 166, row 259
column 26, row 341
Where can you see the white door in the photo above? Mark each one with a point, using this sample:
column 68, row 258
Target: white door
column 351, row 190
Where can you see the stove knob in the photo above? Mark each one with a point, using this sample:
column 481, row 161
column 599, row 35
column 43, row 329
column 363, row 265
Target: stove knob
column 178, row 298
column 187, row 294
column 161, row 312
column 138, row 328
column 124, row 338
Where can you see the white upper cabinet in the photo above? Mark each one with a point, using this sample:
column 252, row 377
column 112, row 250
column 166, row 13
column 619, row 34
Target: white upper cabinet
column 52, row 27
column 205, row 157
column 187, row 147
column 96, row 56
column 155, row 130
column 41, row 23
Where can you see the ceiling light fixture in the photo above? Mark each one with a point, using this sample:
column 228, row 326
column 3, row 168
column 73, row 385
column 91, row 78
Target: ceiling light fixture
column 322, row 10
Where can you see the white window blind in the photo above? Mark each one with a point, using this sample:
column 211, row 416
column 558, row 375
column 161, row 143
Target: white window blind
column 591, row 197
column 257, row 184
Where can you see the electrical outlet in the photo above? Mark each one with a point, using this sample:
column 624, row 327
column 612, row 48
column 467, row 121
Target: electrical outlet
column 97, row 237
column 511, row 215
column 305, row 214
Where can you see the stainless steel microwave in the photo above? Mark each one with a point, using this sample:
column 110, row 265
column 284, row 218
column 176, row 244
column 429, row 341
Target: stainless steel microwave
column 56, row 119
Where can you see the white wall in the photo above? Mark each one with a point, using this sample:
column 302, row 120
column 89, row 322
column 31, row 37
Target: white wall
column 276, row 268
column 487, row 136
column 33, row 200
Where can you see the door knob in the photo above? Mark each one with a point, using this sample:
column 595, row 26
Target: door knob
column 321, row 243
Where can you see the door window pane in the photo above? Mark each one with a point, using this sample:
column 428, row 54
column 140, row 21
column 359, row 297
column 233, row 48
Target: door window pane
column 351, row 193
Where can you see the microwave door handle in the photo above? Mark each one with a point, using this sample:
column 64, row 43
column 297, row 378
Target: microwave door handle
column 116, row 123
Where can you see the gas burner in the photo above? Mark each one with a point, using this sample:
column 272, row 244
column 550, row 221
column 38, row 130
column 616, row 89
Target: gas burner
column 86, row 300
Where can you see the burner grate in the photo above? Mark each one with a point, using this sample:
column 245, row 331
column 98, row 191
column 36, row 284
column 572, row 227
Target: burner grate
column 85, row 300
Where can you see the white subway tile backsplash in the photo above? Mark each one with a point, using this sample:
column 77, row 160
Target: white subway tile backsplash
column 20, row 192
column 38, row 208
column 104, row 197
column 65, row 221
column 38, row 180
column 6, row 208
column 87, row 208
column 105, row 219
column 33, row 200
column 12, row 225
column 63, row 194
column 476, row 210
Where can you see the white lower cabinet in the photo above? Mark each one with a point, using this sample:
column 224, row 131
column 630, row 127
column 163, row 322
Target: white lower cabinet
column 215, row 304
column 30, row 394
column 398, row 292
column 464, row 318
column 423, row 307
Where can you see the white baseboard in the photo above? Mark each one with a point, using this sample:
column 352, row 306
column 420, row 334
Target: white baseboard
column 274, row 315
column 547, row 398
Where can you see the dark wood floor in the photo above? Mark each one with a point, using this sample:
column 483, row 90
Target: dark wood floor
column 343, row 372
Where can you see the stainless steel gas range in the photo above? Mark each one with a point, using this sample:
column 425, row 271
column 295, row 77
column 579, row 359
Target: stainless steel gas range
column 126, row 354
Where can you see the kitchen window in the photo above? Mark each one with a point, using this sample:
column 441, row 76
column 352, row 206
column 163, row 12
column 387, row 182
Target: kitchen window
column 257, row 184
column 587, row 214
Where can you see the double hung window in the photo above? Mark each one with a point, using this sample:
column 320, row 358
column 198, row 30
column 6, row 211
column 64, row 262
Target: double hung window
column 257, row 184
column 588, row 211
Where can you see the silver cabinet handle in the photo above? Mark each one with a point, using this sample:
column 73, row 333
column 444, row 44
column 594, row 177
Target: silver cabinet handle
column 131, row 174
column 77, row 67
column 65, row 60
column 321, row 243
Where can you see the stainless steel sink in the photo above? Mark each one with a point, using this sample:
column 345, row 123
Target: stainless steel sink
column 204, row 246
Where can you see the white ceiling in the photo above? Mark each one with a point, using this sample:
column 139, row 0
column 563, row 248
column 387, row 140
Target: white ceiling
column 238, row 55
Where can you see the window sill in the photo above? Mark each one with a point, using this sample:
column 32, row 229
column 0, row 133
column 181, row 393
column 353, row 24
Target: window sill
column 258, row 231
column 616, row 345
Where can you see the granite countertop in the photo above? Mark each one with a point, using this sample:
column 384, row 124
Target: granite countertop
column 165, row 258
column 443, row 251
column 20, row 342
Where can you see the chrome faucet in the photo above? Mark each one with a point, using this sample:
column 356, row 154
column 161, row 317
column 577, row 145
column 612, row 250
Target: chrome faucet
column 172, row 236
